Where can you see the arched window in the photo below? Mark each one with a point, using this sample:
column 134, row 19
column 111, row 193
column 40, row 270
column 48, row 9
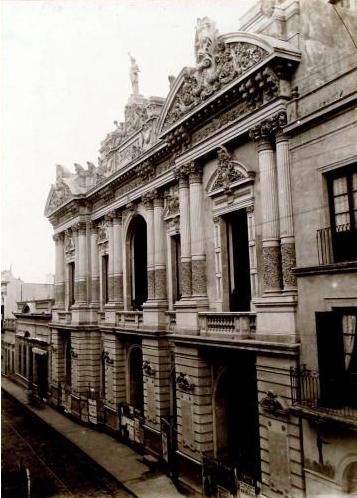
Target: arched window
column 350, row 479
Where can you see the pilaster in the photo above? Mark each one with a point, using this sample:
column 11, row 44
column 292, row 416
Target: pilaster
column 60, row 276
column 198, row 256
column 148, row 201
column 118, row 260
column 109, row 219
column 287, row 239
column 94, row 294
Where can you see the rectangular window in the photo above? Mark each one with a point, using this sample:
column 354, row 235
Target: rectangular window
column 337, row 356
column 105, row 278
column 176, row 267
column 71, row 283
column 342, row 189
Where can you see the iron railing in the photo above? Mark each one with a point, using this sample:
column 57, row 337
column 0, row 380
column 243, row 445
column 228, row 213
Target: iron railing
column 306, row 393
column 324, row 246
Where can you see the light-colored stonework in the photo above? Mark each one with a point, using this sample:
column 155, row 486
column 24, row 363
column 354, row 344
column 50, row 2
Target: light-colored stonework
column 182, row 302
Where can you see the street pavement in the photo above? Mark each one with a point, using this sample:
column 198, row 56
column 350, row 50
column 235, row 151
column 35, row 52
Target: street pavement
column 55, row 467
column 117, row 459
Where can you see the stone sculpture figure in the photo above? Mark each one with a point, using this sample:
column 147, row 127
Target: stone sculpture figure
column 134, row 75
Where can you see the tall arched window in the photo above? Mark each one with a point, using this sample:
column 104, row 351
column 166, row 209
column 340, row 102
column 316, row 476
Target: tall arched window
column 138, row 262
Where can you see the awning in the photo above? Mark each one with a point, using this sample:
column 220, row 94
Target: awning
column 39, row 351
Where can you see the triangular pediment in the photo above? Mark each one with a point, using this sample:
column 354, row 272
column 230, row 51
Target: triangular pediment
column 58, row 195
column 220, row 60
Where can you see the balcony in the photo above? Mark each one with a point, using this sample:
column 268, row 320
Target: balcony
column 336, row 246
column 307, row 399
column 239, row 325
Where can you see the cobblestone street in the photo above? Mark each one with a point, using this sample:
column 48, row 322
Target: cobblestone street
column 56, row 467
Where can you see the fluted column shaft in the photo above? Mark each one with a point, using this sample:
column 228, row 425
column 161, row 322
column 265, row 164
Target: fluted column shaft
column 118, row 260
column 110, row 231
column 159, row 256
column 270, row 217
column 285, row 212
column 59, row 277
column 185, row 233
column 198, row 256
column 150, row 247
column 82, row 264
column 94, row 266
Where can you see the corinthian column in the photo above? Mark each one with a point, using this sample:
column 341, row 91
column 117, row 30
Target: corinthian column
column 286, row 212
column 109, row 219
column 94, row 266
column 81, row 260
column 159, row 257
column 59, row 277
column 118, row 260
column 149, row 207
column 185, row 230
column 198, row 256
column 270, row 209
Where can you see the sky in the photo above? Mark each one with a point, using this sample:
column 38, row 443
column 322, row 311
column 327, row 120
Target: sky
column 65, row 79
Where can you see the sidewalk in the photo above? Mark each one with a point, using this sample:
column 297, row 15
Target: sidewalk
column 119, row 460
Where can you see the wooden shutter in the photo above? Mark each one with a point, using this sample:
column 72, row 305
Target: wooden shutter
column 331, row 358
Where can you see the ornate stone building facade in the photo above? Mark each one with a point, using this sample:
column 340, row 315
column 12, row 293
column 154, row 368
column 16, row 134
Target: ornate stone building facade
column 184, row 305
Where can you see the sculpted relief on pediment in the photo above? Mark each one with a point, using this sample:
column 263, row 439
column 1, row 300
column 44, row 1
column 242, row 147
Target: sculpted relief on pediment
column 217, row 64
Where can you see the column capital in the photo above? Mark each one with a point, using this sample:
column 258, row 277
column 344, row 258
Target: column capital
column 79, row 227
column 148, row 200
column 182, row 173
column 158, row 198
column 195, row 172
column 117, row 219
column 93, row 227
column 58, row 237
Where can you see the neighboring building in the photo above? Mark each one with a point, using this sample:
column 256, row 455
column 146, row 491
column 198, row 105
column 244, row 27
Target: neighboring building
column 32, row 344
column 184, row 310
column 13, row 292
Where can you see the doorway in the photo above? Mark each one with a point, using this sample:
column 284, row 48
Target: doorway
column 138, row 263
column 238, row 261
column 136, row 386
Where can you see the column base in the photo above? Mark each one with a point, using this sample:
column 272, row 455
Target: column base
column 187, row 314
column 82, row 313
column 154, row 315
column 276, row 318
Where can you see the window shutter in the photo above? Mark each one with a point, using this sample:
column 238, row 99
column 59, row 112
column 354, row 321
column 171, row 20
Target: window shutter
column 331, row 358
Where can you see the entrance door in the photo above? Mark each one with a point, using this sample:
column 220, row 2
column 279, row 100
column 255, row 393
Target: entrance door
column 238, row 261
column 236, row 417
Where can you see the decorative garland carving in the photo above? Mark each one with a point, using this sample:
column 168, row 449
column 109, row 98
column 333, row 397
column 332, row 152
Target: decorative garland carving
column 273, row 404
column 148, row 369
column 106, row 358
column 183, row 382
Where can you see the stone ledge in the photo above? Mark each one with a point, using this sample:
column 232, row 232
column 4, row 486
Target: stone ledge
column 348, row 266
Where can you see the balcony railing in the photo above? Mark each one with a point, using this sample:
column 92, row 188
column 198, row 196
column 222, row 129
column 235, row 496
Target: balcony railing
column 129, row 319
column 324, row 246
column 238, row 325
column 306, row 393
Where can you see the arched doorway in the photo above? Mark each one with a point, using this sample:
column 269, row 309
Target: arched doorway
column 138, row 262
column 236, row 418
column 136, row 385
column 350, row 479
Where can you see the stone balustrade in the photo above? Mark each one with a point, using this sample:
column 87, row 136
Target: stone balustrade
column 235, row 325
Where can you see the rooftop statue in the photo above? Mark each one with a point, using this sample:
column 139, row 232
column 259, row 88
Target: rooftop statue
column 134, row 75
